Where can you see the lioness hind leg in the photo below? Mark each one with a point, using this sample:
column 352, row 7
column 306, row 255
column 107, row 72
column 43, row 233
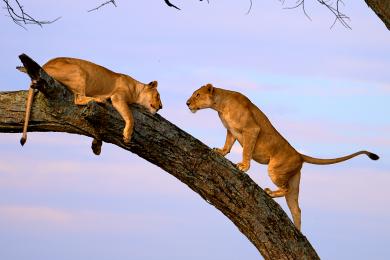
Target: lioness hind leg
column 292, row 199
column 280, row 179
column 80, row 99
column 277, row 193
column 123, row 108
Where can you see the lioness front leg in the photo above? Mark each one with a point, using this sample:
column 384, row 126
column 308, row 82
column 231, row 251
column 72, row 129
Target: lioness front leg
column 249, row 141
column 123, row 108
column 230, row 139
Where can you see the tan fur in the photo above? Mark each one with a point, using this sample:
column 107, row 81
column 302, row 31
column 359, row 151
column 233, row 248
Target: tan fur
column 260, row 141
column 92, row 82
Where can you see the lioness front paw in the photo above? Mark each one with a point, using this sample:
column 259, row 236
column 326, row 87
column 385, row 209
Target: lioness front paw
column 220, row 151
column 242, row 166
column 268, row 191
column 126, row 139
column 127, row 133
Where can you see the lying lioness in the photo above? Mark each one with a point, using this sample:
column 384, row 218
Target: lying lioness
column 91, row 82
column 260, row 141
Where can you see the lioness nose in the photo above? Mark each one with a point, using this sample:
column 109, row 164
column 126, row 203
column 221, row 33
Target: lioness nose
column 160, row 106
column 188, row 102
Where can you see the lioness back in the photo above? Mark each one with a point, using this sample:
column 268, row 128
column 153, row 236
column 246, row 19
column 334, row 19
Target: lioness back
column 269, row 141
column 82, row 77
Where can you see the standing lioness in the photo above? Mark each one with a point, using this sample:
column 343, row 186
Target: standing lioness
column 260, row 141
column 89, row 81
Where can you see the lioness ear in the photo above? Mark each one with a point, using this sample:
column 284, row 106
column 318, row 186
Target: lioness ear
column 153, row 84
column 210, row 88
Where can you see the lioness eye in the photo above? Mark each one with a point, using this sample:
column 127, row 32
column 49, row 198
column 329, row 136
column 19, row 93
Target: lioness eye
column 197, row 95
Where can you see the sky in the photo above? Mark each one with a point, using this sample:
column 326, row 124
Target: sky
column 325, row 89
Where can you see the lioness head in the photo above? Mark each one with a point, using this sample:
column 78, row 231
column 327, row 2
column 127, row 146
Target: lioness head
column 150, row 98
column 201, row 98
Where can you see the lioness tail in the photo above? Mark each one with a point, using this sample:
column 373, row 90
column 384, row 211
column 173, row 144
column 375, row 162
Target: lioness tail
column 28, row 108
column 27, row 117
column 312, row 160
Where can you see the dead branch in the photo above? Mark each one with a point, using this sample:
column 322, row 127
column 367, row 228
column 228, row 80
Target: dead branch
column 162, row 143
column 20, row 16
column 334, row 8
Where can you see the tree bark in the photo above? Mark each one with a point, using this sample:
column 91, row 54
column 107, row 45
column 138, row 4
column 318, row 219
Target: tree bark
column 381, row 9
column 162, row 143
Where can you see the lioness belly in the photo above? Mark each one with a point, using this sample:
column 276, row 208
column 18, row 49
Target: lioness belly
column 261, row 158
column 237, row 134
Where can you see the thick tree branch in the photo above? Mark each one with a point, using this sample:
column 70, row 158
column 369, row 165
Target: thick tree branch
column 160, row 142
column 381, row 9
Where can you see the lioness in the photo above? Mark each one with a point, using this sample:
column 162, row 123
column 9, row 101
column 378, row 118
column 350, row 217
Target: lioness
column 260, row 141
column 92, row 82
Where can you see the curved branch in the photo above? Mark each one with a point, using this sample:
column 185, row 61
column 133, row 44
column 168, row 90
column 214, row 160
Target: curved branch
column 162, row 143
column 381, row 9
column 168, row 3
column 103, row 4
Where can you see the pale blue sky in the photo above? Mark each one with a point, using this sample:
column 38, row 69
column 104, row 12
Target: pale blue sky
column 326, row 90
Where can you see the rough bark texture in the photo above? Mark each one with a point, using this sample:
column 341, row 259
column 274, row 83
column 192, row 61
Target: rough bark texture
column 160, row 142
column 382, row 10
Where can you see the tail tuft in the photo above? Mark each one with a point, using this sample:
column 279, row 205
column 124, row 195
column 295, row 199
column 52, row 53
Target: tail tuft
column 23, row 140
column 373, row 156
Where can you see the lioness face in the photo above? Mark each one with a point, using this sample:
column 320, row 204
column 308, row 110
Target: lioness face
column 150, row 98
column 201, row 98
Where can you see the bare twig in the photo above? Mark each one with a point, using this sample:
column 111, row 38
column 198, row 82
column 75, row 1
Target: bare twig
column 333, row 6
column 103, row 4
column 20, row 17
column 168, row 3
column 250, row 7
column 298, row 4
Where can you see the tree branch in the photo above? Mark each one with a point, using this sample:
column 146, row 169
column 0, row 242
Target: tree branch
column 381, row 9
column 160, row 142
